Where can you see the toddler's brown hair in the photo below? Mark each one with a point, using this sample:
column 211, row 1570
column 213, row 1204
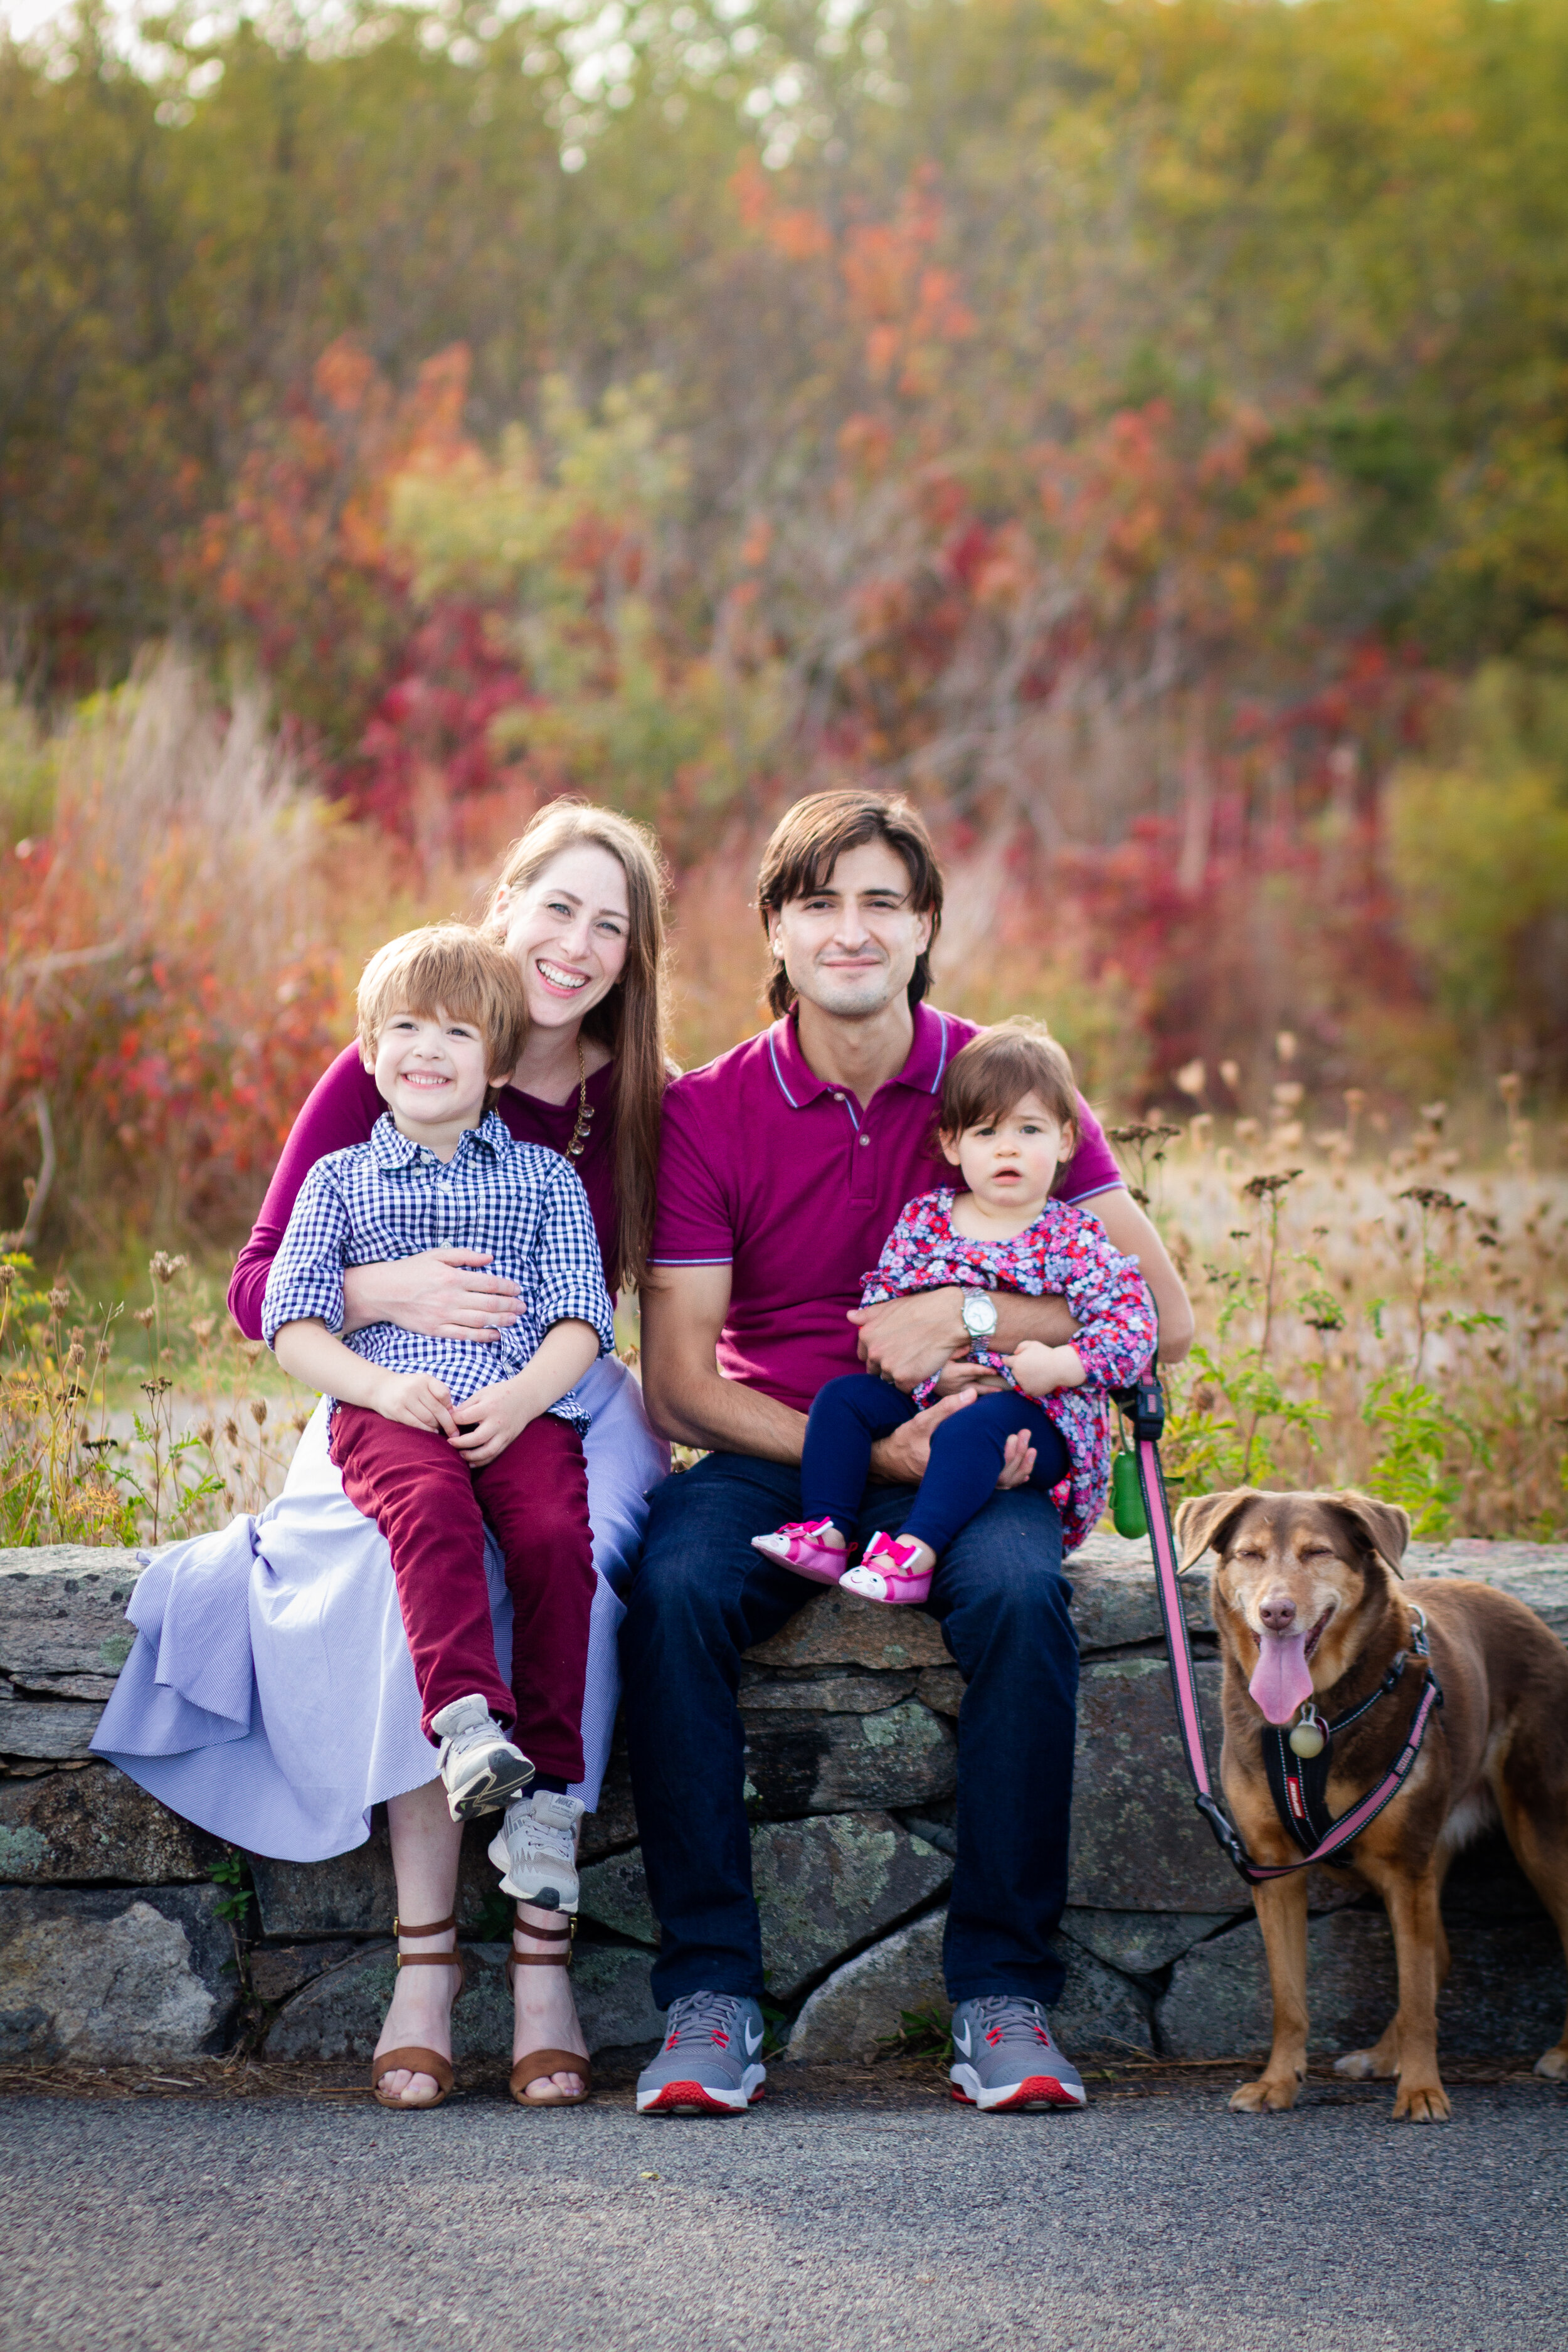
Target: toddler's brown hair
column 450, row 969
column 998, row 1068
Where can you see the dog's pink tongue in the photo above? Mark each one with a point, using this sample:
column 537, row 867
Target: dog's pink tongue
column 1280, row 1680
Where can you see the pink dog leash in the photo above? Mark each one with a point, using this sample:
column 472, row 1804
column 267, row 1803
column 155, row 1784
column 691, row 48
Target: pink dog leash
column 1143, row 1405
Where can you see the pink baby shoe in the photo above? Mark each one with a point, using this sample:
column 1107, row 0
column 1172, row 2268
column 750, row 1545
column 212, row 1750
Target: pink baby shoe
column 885, row 1574
column 799, row 1545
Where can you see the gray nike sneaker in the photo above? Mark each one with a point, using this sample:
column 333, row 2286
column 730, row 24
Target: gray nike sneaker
column 482, row 1768
column 1005, row 2056
column 709, row 2065
column 536, row 1846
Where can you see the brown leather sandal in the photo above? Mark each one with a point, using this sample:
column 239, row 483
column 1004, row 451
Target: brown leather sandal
column 536, row 2064
column 413, row 2058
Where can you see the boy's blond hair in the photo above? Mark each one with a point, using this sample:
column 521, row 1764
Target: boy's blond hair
column 450, row 969
column 998, row 1068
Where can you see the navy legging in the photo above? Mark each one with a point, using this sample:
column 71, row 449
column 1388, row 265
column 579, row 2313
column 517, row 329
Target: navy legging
column 966, row 1451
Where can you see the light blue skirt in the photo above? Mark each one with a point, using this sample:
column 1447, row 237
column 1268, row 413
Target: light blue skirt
column 270, row 1697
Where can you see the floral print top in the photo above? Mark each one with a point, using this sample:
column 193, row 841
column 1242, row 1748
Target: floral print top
column 1064, row 1254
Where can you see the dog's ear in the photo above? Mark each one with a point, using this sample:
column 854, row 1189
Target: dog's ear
column 1205, row 1519
column 1384, row 1527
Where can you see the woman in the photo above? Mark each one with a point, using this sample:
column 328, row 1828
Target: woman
column 333, row 1725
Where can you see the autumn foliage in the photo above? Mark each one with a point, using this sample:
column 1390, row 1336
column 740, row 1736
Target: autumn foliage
column 172, row 989
column 1133, row 429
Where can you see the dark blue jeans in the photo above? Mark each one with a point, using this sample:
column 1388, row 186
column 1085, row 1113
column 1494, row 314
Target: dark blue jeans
column 701, row 1596
column 967, row 1454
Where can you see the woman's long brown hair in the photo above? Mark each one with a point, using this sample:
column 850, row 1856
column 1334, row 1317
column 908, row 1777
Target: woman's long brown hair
column 630, row 1021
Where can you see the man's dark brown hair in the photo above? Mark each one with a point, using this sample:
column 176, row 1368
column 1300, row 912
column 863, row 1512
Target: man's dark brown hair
column 996, row 1070
column 808, row 843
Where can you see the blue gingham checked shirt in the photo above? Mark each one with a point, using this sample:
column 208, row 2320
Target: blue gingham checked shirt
column 392, row 1198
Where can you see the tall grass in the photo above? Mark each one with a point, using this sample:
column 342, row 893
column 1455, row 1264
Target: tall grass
column 123, row 1422
column 169, row 980
column 1362, row 1323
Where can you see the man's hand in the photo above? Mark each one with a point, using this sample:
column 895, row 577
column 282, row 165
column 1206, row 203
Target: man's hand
column 417, row 1398
column 900, row 1460
column 907, row 1340
column 491, row 1418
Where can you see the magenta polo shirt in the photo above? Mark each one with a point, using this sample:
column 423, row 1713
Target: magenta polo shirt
column 796, row 1185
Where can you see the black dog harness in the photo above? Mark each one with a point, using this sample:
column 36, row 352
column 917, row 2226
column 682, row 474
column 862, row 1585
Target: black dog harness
column 1299, row 1784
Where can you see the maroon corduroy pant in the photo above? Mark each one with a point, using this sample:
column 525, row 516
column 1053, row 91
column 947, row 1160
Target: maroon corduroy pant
column 432, row 1509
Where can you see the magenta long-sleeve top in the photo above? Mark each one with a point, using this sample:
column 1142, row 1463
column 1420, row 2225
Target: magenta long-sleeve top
column 342, row 1108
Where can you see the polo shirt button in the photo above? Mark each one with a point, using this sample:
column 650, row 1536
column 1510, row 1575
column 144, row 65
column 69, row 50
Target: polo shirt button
column 865, row 1138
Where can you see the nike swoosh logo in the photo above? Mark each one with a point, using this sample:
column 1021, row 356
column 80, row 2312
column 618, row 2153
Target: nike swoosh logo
column 961, row 2039
column 753, row 2042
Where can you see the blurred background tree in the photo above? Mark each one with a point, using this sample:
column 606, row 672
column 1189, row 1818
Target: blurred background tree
column 1138, row 430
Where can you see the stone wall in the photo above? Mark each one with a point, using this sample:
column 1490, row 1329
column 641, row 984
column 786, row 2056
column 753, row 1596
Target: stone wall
column 118, row 1943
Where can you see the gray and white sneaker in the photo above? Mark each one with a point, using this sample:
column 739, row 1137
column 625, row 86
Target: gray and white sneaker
column 1005, row 2056
column 480, row 1765
column 536, row 1848
column 709, row 2065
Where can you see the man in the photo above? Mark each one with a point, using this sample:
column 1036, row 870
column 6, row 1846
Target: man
column 783, row 1166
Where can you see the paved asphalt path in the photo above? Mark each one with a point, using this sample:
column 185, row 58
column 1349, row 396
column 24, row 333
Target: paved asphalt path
column 868, row 2218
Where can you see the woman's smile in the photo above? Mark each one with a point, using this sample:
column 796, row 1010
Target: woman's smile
column 557, row 977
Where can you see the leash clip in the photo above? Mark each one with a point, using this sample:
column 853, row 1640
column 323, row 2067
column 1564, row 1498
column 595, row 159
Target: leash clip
column 1236, row 1851
column 1419, row 1645
column 1144, row 1403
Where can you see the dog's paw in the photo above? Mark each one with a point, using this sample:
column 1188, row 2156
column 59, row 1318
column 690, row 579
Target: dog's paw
column 1422, row 2103
column 1553, row 2065
column 1270, row 2094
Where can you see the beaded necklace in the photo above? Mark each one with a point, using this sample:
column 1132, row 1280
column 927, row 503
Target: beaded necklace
column 585, row 1109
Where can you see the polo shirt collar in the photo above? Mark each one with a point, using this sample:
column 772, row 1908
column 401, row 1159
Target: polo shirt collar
column 931, row 1050
column 394, row 1150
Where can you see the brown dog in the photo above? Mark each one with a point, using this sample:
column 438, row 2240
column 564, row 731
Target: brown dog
column 1309, row 1606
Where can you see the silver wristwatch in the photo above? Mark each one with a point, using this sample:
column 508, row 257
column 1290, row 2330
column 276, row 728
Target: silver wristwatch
column 979, row 1312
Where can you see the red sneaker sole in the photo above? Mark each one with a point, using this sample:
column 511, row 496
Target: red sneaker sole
column 692, row 2096
column 1036, row 2090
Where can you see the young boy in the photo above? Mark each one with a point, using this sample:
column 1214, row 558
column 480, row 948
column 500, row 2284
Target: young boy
column 435, row 1437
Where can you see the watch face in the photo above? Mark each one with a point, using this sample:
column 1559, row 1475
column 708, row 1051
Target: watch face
column 979, row 1315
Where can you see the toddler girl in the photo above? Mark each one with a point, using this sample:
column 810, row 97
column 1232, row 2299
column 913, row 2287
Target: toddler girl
column 1007, row 1125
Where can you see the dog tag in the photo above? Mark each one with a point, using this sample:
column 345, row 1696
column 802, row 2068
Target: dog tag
column 1308, row 1739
